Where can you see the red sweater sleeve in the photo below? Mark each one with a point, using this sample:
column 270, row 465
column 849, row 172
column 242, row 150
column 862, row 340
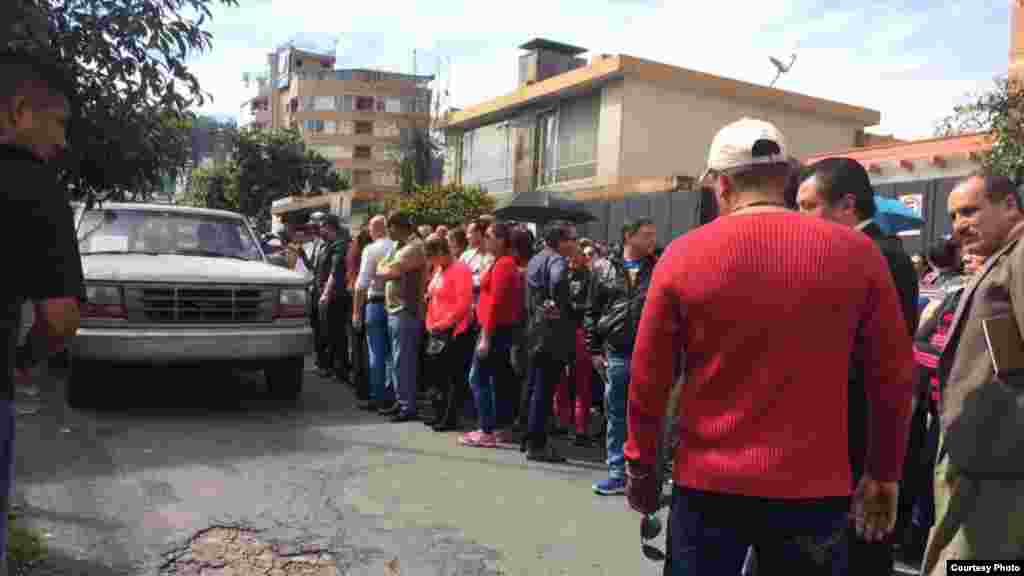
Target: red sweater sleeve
column 463, row 295
column 656, row 354
column 887, row 354
column 504, row 284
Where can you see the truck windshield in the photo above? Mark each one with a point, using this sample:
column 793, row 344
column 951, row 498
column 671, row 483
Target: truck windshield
column 119, row 231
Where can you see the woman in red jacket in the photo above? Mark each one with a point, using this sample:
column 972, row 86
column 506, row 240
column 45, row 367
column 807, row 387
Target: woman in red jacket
column 499, row 312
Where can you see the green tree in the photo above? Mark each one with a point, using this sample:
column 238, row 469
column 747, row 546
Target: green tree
column 999, row 112
column 214, row 185
column 415, row 158
column 128, row 62
column 450, row 204
column 273, row 164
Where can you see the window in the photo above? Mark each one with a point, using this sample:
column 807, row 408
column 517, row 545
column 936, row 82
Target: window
column 330, row 126
column 323, row 103
column 129, row 231
column 346, row 103
column 364, row 103
column 362, row 178
column 577, row 138
column 364, row 128
column 487, row 157
column 362, row 153
column 547, row 131
column 314, row 126
column 393, row 105
column 380, row 105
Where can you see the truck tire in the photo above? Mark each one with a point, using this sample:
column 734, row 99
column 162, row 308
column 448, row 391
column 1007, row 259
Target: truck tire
column 284, row 379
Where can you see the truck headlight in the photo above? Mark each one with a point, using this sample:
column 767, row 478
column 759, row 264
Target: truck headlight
column 103, row 301
column 291, row 303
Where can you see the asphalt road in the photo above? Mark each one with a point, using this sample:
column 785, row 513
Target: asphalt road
column 125, row 488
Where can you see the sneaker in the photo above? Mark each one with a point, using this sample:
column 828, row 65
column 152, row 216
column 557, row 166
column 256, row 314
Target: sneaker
column 610, row 487
column 470, row 438
column 479, row 439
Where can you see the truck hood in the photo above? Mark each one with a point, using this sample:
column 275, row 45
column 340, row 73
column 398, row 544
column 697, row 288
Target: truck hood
column 173, row 268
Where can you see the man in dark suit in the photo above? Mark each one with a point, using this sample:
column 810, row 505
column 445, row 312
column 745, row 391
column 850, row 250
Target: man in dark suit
column 839, row 189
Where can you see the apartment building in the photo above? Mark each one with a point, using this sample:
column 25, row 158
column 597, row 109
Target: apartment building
column 356, row 118
column 624, row 135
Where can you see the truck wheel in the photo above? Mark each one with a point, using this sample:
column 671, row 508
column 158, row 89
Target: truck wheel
column 83, row 383
column 284, row 379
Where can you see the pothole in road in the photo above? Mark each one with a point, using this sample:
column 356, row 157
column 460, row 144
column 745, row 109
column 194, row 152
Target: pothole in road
column 227, row 551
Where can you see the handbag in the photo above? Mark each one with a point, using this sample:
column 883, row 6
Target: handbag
column 438, row 342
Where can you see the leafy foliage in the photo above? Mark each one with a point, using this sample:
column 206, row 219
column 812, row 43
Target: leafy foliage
column 415, row 158
column 450, row 204
column 264, row 165
column 213, row 186
column 128, row 59
column 999, row 112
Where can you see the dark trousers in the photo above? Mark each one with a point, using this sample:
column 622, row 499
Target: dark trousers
column 709, row 533
column 334, row 334
column 360, row 359
column 316, row 322
column 545, row 372
column 453, row 388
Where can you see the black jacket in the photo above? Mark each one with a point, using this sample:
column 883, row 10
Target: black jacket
column 905, row 278
column 547, row 278
column 615, row 306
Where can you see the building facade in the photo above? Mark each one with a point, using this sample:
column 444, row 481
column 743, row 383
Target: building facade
column 626, row 136
column 358, row 119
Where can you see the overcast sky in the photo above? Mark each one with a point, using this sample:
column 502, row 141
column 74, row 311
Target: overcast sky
column 911, row 60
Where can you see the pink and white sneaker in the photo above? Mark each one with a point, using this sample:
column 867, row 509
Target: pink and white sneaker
column 471, row 438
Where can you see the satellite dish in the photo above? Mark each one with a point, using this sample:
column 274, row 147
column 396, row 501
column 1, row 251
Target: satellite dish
column 781, row 68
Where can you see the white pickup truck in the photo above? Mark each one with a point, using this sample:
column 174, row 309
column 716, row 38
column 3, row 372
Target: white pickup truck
column 173, row 285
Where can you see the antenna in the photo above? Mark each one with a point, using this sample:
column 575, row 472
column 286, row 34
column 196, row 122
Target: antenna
column 414, row 71
column 781, row 68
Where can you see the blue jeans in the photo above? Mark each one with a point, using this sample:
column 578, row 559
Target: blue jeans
column 615, row 394
column 485, row 374
column 379, row 345
column 406, row 332
column 709, row 533
column 6, row 475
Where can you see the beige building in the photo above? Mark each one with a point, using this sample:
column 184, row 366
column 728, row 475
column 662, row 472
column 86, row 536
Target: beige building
column 625, row 135
column 356, row 118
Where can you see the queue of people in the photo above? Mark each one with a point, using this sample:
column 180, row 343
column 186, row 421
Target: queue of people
column 835, row 397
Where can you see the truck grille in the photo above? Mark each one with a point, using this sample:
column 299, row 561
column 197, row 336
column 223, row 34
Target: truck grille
column 202, row 305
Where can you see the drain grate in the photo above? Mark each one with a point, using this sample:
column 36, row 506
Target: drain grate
column 229, row 551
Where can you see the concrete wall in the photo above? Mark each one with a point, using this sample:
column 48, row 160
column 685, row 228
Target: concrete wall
column 609, row 135
column 667, row 131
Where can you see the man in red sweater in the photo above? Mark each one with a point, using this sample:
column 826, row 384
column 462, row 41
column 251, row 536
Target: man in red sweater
column 762, row 457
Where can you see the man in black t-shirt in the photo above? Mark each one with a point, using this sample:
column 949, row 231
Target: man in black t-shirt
column 39, row 220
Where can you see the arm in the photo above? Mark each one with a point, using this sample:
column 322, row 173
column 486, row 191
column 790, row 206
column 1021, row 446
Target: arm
column 409, row 258
column 886, row 352
column 905, row 278
column 504, row 276
column 362, row 286
column 462, row 279
column 659, row 341
column 595, row 308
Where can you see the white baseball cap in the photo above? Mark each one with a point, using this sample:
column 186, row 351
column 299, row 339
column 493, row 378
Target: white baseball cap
column 746, row 142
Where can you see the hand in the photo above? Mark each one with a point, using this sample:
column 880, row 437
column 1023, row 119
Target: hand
column 483, row 347
column 875, row 506
column 642, row 488
column 600, row 364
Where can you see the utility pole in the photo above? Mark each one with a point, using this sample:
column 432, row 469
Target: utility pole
column 414, row 71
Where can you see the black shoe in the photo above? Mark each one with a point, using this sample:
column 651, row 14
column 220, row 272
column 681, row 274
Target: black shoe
column 324, row 373
column 397, row 418
column 581, row 440
column 547, row 454
column 432, row 422
column 445, row 427
column 390, row 411
column 368, row 406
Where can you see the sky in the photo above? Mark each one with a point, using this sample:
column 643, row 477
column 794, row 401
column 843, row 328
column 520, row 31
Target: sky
column 912, row 60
